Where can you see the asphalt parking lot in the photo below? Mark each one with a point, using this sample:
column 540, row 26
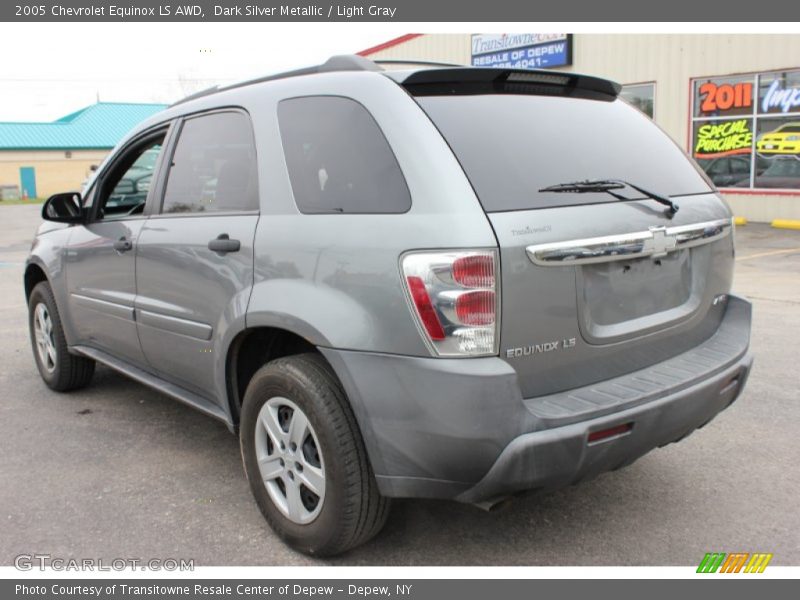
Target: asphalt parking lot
column 120, row 471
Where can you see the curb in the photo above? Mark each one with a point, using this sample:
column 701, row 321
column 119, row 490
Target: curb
column 786, row 224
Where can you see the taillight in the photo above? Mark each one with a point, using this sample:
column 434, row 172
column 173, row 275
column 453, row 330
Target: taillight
column 427, row 314
column 454, row 299
column 476, row 308
column 476, row 270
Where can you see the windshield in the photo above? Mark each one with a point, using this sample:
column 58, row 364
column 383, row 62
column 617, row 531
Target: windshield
column 512, row 146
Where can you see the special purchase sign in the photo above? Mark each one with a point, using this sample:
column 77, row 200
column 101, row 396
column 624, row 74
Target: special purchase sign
column 522, row 50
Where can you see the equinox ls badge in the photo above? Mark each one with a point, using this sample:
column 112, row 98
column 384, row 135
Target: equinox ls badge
column 564, row 344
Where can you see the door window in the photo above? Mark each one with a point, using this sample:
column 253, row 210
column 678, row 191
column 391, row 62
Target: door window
column 127, row 185
column 213, row 167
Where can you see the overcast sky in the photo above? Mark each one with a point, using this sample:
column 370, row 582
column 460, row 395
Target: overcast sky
column 49, row 70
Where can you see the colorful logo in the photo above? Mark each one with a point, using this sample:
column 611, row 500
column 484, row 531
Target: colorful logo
column 785, row 98
column 721, row 138
column 736, row 562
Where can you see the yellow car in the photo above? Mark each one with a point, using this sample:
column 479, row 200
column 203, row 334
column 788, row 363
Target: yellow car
column 783, row 140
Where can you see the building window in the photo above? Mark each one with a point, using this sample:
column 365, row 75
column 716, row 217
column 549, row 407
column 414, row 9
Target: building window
column 746, row 129
column 640, row 95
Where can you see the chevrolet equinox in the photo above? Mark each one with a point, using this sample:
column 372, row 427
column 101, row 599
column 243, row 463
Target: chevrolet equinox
column 451, row 282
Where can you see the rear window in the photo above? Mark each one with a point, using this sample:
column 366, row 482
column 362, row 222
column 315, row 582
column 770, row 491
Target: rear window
column 338, row 159
column 511, row 146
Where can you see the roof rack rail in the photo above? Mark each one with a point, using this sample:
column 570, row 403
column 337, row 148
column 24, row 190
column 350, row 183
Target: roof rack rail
column 200, row 94
column 342, row 62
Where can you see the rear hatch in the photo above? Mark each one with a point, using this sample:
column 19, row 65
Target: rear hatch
column 595, row 283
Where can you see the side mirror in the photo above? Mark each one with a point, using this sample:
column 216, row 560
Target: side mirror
column 63, row 208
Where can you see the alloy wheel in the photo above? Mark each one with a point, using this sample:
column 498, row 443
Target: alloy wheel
column 43, row 335
column 290, row 460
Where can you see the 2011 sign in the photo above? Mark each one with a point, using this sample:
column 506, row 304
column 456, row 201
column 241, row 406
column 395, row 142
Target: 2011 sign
column 716, row 98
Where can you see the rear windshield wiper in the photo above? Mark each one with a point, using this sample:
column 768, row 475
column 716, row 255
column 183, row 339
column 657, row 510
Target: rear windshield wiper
column 608, row 186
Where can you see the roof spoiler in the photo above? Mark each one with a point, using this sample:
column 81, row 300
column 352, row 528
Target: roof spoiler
column 477, row 80
column 452, row 79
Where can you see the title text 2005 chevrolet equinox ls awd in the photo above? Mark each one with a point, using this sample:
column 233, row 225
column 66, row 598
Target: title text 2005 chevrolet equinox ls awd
column 444, row 282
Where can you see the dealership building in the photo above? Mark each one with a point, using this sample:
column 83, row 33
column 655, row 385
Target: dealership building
column 41, row 159
column 730, row 101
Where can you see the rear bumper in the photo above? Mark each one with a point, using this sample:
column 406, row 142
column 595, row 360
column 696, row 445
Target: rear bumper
column 460, row 429
column 561, row 456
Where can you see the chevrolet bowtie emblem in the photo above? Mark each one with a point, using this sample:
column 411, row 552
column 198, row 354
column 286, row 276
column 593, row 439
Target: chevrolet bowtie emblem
column 661, row 243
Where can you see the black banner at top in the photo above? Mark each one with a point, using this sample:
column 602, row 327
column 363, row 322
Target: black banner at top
column 397, row 11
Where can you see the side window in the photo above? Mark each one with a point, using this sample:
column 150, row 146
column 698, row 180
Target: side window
column 213, row 167
column 125, row 188
column 338, row 159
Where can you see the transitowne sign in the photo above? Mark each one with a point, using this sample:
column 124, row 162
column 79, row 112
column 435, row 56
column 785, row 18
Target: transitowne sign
column 522, row 50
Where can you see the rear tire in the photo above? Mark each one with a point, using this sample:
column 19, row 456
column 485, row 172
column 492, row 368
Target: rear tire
column 60, row 370
column 346, row 510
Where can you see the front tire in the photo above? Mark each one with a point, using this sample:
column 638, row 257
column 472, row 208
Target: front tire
column 305, row 459
column 60, row 370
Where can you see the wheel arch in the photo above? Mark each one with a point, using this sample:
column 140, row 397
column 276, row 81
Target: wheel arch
column 34, row 275
column 267, row 335
column 249, row 350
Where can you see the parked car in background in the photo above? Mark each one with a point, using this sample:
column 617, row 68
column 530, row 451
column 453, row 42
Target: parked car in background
column 785, row 140
column 409, row 293
column 783, row 172
column 726, row 171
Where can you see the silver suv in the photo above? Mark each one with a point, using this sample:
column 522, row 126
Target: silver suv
column 451, row 282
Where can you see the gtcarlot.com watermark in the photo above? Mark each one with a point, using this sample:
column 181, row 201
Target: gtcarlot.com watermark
column 42, row 562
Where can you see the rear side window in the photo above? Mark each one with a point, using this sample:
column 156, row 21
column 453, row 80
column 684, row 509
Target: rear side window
column 338, row 159
column 511, row 146
column 213, row 167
